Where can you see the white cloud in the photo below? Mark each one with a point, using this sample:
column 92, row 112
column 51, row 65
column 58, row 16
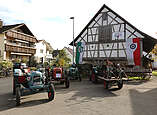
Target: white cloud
column 49, row 19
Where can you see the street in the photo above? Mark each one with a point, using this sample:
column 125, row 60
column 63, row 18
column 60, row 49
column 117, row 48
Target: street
column 84, row 98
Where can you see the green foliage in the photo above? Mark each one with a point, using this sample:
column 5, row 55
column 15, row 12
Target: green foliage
column 32, row 62
column 6, row 64
column 46, row 64
column 33, row 68
column 16, row 60
column 154, row 51
column 24, row 60
column 62, row 59
column 154, row 73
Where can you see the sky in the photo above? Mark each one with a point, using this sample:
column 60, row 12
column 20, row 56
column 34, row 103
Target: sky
column 50, row 19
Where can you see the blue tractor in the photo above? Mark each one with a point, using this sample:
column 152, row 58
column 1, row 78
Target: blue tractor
column 32, row 80
column 73, row 73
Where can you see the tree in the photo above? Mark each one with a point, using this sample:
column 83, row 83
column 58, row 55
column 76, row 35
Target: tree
column 62, row 59
column 32, row 62
column 154, row 51
column 24, row 60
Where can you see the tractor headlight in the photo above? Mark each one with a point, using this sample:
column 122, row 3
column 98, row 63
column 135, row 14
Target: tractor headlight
column 28, row 78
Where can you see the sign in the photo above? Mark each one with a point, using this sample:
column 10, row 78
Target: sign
column 79, row 52
column 117, row 35
column 133, row 50
column 58, row 75
column 49, row 56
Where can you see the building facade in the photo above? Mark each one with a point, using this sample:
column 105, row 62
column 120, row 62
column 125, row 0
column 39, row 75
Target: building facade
column 69, row 53
column 43, row 51
column 106, row 36
column 16, row 42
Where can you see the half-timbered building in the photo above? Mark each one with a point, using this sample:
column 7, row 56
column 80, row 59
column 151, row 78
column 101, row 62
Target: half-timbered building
column 105, row 37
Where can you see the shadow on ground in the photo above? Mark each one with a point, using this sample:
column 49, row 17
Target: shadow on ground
column 8, row 101
column 145, row 102
column 85, row 91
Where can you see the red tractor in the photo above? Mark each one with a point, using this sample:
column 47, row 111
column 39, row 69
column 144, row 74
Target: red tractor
column 57, row 74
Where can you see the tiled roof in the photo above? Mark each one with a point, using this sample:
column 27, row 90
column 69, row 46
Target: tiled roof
column 8, row 27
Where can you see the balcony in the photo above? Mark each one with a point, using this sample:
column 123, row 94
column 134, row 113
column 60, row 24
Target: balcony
column 19, row 49
column 20, row 36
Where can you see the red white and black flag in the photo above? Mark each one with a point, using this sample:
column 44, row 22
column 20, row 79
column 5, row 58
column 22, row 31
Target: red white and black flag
column 133, row 50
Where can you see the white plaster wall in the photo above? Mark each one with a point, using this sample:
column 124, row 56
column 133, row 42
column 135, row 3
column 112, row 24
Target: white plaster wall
column 2, row 46
column 69, row 55
column 38, row 55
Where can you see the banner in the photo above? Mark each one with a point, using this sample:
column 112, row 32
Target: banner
column 133, row 50
column 79, row 52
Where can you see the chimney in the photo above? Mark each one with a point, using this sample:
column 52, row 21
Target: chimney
column 1, row 23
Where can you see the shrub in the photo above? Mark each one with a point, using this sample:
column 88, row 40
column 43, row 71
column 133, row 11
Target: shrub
column 6, row 64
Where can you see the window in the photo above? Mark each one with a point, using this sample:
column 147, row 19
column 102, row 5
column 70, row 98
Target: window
column 105, row 33
column 104, row 15
column 41, row 50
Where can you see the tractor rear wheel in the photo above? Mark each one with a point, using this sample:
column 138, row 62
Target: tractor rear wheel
column 120, row 84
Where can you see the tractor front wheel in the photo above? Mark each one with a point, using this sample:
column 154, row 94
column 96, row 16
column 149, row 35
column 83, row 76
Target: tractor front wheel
column 14, row 86
column 106, row 84
column 94, row 79
column 80, row 79
column 67, row 83
column 51, row 92
column 18, row 96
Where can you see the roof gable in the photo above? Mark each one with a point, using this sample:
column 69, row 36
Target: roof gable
column 18, row 27
column 119, row 22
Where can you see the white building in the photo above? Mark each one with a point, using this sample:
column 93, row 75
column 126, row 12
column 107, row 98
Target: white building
column 69, row 53
column 43, row 51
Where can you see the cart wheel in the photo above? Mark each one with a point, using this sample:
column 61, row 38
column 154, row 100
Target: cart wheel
column 106, row 83
column 90, row 78
column 80, row 79
column 51, row 92
column 14, row 87
column 120, row 84
column 94, row 79
column 18, row 96
column 67, row 83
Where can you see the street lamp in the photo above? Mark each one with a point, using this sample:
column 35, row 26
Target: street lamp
column 73, row 37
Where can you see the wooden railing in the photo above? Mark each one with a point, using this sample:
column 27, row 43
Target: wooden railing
column 19, row 49
column 21, row 36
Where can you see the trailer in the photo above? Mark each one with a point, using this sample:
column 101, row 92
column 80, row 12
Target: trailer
column 111, row 75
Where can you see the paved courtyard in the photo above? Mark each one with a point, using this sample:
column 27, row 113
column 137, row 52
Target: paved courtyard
column 84, row 98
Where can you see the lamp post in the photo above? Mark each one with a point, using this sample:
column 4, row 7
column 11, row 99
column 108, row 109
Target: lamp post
column 73, row 38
